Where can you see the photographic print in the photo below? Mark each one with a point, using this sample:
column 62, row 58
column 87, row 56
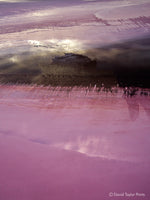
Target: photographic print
column 74, row 99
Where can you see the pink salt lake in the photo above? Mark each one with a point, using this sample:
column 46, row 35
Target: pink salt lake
column 62, row 144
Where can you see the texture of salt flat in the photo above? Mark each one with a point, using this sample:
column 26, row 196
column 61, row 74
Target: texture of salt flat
column 90, row 23
column 73, row 143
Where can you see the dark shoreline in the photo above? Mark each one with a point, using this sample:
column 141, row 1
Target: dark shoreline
column 126, row 64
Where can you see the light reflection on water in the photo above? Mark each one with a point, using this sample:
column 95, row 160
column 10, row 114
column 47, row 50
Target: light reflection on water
column 97, row 123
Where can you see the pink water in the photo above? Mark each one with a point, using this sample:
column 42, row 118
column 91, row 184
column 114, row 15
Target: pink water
column 69, row 144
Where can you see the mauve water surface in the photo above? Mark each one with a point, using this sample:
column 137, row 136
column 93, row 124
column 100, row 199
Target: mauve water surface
column 73, row 143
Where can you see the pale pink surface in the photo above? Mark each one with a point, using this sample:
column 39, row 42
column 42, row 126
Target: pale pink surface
column 72, row 145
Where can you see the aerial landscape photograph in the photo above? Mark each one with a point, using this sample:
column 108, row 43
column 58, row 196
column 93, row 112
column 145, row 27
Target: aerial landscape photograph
column 74, row 99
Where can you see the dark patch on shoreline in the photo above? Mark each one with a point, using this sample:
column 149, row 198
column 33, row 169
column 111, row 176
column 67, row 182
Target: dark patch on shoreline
column 126, row 64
